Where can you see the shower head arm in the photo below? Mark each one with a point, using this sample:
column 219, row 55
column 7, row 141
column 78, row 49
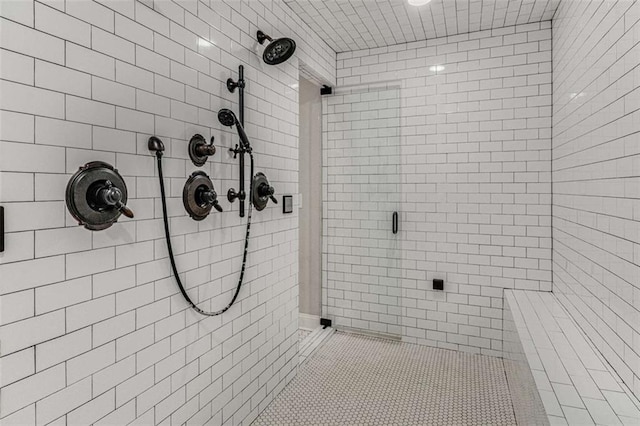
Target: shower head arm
column 262, row 37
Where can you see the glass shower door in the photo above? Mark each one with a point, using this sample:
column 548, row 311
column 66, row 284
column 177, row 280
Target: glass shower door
column 361, row 189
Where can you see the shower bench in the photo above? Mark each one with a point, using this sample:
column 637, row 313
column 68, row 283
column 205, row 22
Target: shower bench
column 555, row 374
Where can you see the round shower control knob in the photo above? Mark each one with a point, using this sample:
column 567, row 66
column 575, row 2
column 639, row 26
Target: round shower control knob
column 207, row 197
column 262, row 192
column 96, row 196
column 200, row 150
column 265, row 190
column 111, row 196
column 199, row 196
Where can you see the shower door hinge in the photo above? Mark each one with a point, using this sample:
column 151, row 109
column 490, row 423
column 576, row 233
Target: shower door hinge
column 324, row 322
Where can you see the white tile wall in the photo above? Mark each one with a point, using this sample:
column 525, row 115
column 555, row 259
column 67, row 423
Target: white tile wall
column 475, row 146
column 93, row 328
column 596, row 169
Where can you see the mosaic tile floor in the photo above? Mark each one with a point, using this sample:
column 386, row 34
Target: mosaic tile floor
column 361, row 380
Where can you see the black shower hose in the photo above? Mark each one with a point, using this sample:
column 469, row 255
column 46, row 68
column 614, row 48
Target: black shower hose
column 170, row 248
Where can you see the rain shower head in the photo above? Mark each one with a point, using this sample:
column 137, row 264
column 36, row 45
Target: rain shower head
column 228, row 118
column 278, row 50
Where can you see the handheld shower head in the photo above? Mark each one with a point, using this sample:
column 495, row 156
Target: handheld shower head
column 228, row 118
column 278, row 50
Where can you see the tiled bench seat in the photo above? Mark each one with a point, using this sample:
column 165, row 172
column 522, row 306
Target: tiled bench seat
column 555, row 374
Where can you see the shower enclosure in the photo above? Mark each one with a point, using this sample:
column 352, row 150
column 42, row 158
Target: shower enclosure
column 362, row 191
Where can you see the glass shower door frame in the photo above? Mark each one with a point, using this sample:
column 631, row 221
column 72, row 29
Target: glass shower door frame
column 361, row 260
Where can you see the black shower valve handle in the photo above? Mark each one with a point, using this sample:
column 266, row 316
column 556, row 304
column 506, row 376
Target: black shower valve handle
column 271, row 191
column 267, row 191
column 108, row 194
column 261, row 192
column 207, row 149
column 96, row 196
column 210, row 197
column 215, row 204
column 200, row 150
column 124, row 210
column 111, row 195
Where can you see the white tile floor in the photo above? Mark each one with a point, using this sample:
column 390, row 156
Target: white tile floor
column 361, row 380
column 312, row 341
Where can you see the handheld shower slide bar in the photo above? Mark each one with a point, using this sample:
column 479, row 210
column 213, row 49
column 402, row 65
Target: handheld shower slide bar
column 259, row 189
column 240, row 195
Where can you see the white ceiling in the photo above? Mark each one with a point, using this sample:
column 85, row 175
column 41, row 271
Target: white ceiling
column 360, row 24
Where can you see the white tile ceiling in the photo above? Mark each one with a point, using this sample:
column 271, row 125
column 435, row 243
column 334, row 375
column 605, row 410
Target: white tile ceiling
column 360, row 24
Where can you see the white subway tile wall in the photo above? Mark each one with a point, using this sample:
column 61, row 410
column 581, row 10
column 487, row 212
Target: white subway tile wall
column 475, row 144
column 596, row 175
column 93, row 327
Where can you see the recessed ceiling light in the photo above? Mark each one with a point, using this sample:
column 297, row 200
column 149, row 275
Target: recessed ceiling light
column 436, row 68
column 418, row 2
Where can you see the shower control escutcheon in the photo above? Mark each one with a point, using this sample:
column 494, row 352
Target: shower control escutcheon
column 199, row 196
column 200, row 150
column 262, row 192
column 96, row 196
